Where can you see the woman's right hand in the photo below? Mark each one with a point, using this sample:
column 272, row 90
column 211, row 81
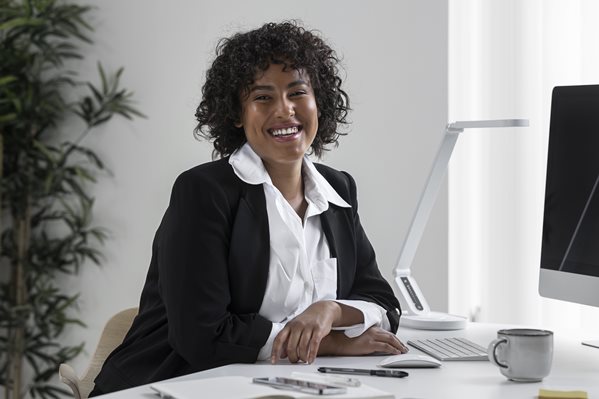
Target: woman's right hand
column 375, row 339
column 300, row 339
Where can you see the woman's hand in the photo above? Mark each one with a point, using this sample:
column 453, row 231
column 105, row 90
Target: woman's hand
column 300, row 338
column 375, row 339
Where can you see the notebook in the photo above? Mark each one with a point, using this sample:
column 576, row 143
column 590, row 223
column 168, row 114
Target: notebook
column 236, row 387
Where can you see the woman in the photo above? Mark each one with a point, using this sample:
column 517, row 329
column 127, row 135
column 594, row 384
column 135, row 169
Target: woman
column 260, row 254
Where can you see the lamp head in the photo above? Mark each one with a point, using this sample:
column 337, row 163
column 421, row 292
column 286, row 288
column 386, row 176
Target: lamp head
column 458, row 127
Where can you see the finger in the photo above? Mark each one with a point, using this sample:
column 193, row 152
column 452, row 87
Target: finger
column 387, row 343
column 403, row 348
column 386, row 347
column 292, row 345
column 383, row 347
column 283, row 354
column 399, row 345
column 393, row 340
column 314, row 346
column 304, row 345
column 278, row 345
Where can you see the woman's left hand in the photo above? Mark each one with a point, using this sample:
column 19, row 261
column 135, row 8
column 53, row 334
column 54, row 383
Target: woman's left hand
column 373, row 340
column 300, row 339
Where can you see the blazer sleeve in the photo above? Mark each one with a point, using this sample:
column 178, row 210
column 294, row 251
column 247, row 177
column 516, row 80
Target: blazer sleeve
column 369, row 285
column 193, row 252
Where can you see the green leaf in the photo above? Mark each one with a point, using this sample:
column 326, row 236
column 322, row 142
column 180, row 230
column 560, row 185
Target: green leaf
column 102, row 120
column 45, row 150
column 99, row 97
column 7, row 79
column 8, row 117
column 103, row 78
column 83, row 174
column 21, row 22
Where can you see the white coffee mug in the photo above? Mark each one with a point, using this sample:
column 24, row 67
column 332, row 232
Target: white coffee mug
column 522, row 354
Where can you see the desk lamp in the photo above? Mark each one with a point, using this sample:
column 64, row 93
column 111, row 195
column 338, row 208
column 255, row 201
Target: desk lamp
column 416, row 311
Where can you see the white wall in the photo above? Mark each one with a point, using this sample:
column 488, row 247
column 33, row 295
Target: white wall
column 505, row 58
column 492, row 73
column 395, row 56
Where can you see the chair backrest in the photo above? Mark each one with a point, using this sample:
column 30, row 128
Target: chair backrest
column 112, row 336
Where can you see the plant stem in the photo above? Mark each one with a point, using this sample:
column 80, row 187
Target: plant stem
column 20, row 301
column 1, row 177
column 21, row 217
column 7, row 386
column 75, row 143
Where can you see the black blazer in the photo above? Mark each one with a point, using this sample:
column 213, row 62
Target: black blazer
column 207, row 277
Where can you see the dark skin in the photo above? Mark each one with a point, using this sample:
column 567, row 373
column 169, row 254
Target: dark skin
column 280, row 120
column 309, row 334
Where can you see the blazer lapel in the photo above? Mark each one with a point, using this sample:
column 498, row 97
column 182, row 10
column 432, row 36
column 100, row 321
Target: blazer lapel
column 249, row 252
column 339, row 232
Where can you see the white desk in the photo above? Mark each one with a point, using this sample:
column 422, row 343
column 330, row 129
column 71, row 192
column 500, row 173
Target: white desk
column 575, row 367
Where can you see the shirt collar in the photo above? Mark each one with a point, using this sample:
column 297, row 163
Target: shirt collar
column 248, row 166
column 318, row 189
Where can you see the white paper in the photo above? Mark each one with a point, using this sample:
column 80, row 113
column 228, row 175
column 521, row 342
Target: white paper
column 243, row 388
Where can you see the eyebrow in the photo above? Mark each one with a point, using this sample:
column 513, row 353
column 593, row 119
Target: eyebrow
column 271, row 88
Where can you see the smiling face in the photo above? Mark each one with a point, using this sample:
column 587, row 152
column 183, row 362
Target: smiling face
column 279, row 116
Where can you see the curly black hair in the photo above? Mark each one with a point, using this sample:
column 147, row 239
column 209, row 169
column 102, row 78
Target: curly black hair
column 238, row 60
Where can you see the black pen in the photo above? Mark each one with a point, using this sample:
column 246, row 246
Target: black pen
column 379, row 373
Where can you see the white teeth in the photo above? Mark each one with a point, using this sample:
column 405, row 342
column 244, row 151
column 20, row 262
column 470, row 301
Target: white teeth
column 281, row 132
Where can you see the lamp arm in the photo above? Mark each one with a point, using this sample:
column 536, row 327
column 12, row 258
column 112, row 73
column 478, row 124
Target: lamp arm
column 411, row 298
column 427, row 200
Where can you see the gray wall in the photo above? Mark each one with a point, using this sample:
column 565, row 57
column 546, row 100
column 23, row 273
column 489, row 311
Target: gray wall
column 395, row 57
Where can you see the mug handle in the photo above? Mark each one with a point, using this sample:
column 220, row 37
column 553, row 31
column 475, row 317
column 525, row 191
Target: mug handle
column 492, row 351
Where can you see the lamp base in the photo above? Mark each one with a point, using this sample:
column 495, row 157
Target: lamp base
column 434, row 321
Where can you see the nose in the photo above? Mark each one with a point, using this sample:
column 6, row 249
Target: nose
column 285, row 108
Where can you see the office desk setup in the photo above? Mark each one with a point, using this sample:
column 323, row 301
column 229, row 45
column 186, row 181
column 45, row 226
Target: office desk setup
column 575, row 367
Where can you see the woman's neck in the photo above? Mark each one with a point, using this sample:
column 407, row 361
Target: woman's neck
column 288, row 180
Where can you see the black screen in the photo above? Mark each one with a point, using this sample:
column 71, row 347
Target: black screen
column 571, row 219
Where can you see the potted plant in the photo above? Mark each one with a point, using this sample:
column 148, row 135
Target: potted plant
column 46, row 229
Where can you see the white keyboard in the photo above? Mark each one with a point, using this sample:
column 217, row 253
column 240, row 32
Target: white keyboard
column 450, row 348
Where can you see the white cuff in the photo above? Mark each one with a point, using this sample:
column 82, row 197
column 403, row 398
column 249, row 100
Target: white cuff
column 374, row 315
column 266, row 350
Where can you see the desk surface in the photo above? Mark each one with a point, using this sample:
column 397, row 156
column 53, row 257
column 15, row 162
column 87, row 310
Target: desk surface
column 575, row 367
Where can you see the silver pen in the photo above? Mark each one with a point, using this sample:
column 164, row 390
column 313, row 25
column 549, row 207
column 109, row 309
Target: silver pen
column 375, row 372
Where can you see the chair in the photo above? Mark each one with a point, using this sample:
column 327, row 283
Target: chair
column 113, row 334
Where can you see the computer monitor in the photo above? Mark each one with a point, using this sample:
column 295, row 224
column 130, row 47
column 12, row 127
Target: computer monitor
column 570, row 239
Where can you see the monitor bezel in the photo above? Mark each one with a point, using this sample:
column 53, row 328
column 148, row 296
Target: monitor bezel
column 564, row 285
column 571, row 287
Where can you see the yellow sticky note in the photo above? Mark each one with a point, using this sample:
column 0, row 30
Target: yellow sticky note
column 553, row 394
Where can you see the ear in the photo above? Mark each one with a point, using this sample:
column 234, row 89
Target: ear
column 238, row 121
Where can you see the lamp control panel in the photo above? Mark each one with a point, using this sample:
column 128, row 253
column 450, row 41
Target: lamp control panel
column 406, row 283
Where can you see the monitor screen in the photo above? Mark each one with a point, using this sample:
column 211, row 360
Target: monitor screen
column 570, row 239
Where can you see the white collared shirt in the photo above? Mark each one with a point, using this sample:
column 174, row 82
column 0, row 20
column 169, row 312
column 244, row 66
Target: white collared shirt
column 301, row 270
